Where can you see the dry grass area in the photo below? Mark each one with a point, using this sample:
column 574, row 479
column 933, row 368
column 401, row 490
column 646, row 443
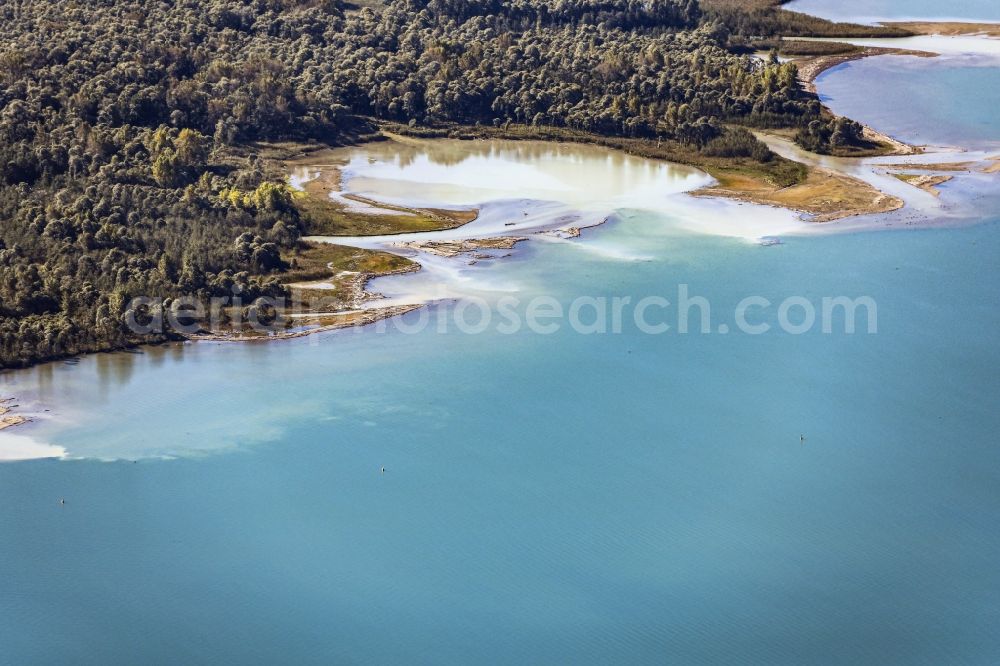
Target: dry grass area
column 825, row 195
column 945, row 166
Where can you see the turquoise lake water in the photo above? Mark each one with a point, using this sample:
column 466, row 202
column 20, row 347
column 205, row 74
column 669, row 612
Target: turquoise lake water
column 563, row 498
column 899, row 10
column 546, row 498
column 956, row 104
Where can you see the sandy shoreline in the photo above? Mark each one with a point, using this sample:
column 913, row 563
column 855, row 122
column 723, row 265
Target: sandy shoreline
column 328, row 322
column 810, row 69
column 825, row 195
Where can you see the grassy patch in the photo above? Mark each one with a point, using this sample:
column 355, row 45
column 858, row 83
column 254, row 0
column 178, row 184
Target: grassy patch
column 317, row 261
column 344, row 269
column 802, row 47
column 870, row 149
column 782, row 173
column 326, row 217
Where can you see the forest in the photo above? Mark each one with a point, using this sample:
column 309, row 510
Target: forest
column 124, row 125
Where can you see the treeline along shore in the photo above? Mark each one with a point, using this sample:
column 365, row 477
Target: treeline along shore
column 141, row 144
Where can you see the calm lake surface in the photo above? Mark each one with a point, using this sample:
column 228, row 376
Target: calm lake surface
column 558, row 498
column 950, row 100
column 870, row 11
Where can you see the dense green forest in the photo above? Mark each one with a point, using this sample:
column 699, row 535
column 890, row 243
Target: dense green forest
column 124, row 125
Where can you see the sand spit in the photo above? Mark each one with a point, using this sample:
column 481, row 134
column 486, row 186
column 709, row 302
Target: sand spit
column 8, row 420
column 945, row 166
column 928, row 183
column 457, row 247
column 825, row 196
column 319, row 323
column 810, row 69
